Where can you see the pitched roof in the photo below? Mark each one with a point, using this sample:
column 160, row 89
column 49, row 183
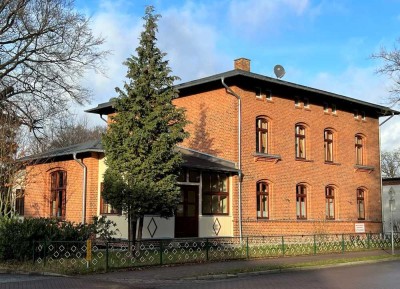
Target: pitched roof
column 191, row 158
column 89, row 146
column 237, row 74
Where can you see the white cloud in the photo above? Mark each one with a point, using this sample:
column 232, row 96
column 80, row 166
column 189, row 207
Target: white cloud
column 191, row 43
column 255, row 15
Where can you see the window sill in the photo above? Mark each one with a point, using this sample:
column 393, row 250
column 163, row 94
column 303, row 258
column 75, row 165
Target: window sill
column 332, row 163
column 270, row 100
column 260, row 219
column 362, row 168
column 266, row 157
column 304, row 160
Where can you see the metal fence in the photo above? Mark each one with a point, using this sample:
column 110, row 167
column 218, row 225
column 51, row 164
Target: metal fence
column 96, row 255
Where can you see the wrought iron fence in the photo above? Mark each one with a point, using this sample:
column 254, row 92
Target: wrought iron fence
column 122, row 254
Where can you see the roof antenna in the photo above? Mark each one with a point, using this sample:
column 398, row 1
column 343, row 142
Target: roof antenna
column 279, row 71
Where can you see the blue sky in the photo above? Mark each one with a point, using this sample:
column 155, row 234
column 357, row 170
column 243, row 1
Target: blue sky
column 322, row 44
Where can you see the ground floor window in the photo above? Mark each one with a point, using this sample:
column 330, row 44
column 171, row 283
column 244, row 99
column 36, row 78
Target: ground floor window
column 301, row 201
column 262, row 200
column 215, row 193
column 106, row 208
column 20, row 202
column 58, row 194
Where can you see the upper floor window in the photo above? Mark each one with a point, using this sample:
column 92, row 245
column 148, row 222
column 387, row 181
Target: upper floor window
column 268, row 94
column 361, row 204
column 330, row 202
column 258, row 92
column 306, row 103
column 300, row 141
column 262, row 200
column 215, row 193
column 326, row 107
column 359, row 149
column 328, row 145
column 333, row 108
column 58, row 192
column 262, row 135
column 301, row 201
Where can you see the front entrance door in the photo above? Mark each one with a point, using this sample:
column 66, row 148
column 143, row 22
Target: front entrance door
column 187, row 213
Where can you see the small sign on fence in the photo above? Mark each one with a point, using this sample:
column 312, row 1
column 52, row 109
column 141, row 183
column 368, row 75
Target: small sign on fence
column 89, row 250
column 359, row 227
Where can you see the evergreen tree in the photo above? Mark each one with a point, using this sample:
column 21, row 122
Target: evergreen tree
column 139, row 145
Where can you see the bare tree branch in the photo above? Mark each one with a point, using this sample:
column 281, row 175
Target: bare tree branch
column 45, row 48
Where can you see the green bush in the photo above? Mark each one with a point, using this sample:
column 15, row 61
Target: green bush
column 17, row 236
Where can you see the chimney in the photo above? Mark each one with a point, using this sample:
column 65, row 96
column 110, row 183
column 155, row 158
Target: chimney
column 242, row 64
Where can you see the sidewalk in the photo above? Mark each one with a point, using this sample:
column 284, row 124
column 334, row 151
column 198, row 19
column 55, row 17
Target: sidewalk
column 220, row 269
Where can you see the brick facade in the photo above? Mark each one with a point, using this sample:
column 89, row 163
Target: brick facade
column 37, row 190
column 213, row 114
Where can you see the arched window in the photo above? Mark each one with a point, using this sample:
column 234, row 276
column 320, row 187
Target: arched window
column 58, row 192
column 359, row 149
column 330, row 202
column 300, row 131
column 263, row 200
column 328, row 145
column 262, row 135
column 301, row 201
column 361, row 203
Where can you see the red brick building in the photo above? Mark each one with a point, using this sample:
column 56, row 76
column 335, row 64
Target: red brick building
column 264, row 157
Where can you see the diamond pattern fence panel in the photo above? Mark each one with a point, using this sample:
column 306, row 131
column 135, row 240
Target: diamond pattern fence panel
column 95, row 256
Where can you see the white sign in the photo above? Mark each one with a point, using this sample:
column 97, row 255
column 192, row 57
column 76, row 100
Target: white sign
column 359, row 227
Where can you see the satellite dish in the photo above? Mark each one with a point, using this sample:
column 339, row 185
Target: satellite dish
column 279, row 71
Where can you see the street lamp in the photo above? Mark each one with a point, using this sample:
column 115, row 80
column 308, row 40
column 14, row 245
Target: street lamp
column 392, row 207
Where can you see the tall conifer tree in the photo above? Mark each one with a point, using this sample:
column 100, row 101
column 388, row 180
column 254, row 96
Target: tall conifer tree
column 139, row 145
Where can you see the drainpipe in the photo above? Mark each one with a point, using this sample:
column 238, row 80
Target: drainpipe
column 239, row 153
column 101, row 116
column 80, row 162
column 380, row 169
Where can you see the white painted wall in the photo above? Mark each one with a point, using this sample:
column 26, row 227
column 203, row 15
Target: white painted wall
column 386, row 209
column 208, row 226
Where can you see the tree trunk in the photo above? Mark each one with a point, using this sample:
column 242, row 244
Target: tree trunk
column 140, row 229
column 132, row 223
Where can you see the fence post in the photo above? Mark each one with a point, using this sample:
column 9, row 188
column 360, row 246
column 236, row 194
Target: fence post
column 283, row 247
column 207, row 247
column 161, row 252
column 343, row 244
column 368, row 241
column 107, row 256
column 247, row 247
column 45, row 253
column 315, row 245
column 33, row 253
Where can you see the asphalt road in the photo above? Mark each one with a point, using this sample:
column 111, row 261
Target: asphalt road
column 385, row 275
column 382, row 275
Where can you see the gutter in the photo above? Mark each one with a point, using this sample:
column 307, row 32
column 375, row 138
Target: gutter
column 239, row 153
column 80, row 162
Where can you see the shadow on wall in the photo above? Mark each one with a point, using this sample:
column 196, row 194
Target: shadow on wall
column 201, row 140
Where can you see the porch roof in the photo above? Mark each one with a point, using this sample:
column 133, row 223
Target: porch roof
column 191, row 158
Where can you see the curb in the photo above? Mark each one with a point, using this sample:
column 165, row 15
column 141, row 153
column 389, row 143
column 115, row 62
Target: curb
column 284, row 270
column 10, row 271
